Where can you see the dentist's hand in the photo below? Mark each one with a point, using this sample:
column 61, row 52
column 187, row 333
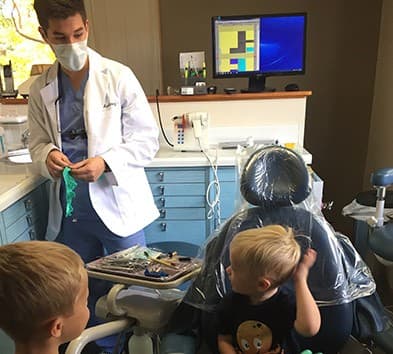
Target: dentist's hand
column 55, row 162
column 88, row 170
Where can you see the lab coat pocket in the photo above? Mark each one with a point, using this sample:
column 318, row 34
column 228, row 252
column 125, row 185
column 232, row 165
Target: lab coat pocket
column 124, row 201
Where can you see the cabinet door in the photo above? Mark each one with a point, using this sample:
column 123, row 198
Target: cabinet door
column 191, row 231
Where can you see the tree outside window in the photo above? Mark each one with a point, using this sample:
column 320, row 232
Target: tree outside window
column 20, row 40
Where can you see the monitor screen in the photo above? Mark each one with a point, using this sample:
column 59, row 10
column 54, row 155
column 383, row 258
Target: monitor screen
column 259, row 46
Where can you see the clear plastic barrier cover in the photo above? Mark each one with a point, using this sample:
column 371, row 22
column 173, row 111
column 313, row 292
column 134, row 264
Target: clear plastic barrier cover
column 275, row 188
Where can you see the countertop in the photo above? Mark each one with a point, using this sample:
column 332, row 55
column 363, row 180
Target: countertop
column 16, row 180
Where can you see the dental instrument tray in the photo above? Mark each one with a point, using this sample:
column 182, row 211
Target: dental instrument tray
column 141, row 265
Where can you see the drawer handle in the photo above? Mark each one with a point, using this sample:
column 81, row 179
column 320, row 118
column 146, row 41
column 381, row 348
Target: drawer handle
column 162, row 201
column 28, row 204
column 29, row 220
column 162, row 189
column 163, row 226
column 32, row 235
column 162, row 213
column 161, row 176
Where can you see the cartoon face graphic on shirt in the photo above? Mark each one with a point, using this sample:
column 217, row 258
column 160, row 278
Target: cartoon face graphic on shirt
column 254, row 337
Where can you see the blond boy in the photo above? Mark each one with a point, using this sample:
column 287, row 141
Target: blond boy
column 43, row 295
column 258, row 315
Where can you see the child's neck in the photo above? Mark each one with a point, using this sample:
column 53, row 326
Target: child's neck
column 261, row 297
column 37, row 348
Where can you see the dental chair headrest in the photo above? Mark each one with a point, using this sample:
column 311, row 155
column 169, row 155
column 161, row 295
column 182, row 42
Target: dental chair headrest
column 274, row 176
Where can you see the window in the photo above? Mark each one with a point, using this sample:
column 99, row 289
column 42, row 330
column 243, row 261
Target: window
column 20, row 41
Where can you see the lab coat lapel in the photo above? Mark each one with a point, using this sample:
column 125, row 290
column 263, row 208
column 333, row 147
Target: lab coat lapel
column 49, row 95
column 97, row 87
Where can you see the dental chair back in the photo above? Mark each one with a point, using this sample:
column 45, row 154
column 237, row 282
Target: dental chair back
column 275, row 183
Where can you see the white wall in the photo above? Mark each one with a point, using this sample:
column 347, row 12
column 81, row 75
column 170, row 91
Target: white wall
column 236, row 120
column 380, row 143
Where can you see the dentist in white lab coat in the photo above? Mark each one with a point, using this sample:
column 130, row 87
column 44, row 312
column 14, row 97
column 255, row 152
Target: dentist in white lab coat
column 121, row 129
column 90, row 114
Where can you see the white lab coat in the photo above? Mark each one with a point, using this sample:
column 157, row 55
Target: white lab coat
column 120, row 128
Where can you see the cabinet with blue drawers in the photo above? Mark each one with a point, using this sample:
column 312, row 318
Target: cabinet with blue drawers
column 25, row 219
column 180, row 196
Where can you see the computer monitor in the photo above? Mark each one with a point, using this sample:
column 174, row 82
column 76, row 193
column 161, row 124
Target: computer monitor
column 257, row 46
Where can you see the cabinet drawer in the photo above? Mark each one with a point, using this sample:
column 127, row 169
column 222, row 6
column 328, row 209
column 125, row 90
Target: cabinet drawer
column 176, row 175
column 29, row 203
column 20, row 226
column 178, row 189
column 226, row 174
column 180, row 202
column 26, row 236
column 182, row 213
column 188, row 231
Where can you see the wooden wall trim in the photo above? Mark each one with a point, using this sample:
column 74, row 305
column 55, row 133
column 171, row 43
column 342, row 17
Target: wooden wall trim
column 232, row 97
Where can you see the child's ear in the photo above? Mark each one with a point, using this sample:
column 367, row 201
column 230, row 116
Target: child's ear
column 56, row 327
column 263, row 284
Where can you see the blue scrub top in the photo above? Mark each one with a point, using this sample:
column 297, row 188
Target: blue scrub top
column 74, row 143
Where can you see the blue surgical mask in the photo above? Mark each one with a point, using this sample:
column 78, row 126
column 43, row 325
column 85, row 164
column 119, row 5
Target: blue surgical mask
column 71, row 56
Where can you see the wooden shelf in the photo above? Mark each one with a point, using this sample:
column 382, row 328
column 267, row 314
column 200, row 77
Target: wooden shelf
column 232, row 97
column 196, row 98
column 13, row 100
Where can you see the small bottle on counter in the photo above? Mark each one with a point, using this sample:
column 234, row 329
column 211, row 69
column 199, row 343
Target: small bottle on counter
column 3, row 146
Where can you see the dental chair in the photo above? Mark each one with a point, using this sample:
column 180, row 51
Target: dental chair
column 372, row 213
column 275, row 186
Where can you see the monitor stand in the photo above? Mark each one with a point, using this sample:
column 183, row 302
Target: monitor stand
column 256, row 83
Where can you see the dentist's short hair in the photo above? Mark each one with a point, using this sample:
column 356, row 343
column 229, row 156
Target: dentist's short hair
column 58, row 9
column 39, row 280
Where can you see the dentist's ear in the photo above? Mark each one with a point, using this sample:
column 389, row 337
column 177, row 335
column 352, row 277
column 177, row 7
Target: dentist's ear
column 43, row 34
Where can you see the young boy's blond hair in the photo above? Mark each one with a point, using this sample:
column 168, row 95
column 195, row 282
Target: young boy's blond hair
column 270, row 251
column 39, row 280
